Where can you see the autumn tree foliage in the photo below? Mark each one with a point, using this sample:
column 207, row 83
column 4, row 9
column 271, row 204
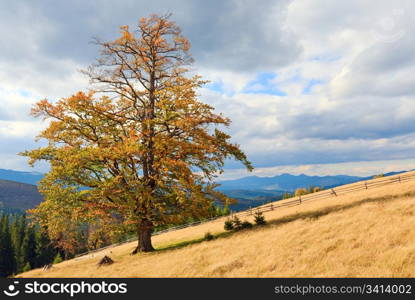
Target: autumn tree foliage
column 138, row 148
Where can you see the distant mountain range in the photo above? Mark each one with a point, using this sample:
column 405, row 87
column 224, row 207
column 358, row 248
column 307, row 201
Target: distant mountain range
column 289, row 183
column 19, row 176
column 18, row 190
column 18, row 196
column 253, row 190
column 286, row 182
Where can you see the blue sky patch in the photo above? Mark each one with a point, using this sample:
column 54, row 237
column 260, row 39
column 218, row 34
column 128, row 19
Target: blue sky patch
column 313, row 82
column 325, row 58
column 216, row 86
column 263, row 84
column 24, row 93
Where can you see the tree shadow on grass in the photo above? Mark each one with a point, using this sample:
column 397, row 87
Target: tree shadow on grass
column 312, row 215
column 182, row 244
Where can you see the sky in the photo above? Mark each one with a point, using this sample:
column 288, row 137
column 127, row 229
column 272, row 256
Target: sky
column 314, row 86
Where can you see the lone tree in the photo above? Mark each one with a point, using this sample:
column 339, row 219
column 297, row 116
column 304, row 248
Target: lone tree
column 139, row 148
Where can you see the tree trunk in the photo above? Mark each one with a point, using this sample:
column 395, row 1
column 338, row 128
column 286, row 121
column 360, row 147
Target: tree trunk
column 144, row 231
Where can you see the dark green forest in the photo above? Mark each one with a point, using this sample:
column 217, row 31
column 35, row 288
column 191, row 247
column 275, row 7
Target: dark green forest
column 23, row 245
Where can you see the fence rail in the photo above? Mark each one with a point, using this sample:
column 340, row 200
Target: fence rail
column 324, row 194
column 333, row 192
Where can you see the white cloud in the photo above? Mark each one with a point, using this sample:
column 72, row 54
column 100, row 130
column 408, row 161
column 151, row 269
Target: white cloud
column 345, row 67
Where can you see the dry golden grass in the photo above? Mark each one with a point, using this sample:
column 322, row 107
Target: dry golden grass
column 363, row 234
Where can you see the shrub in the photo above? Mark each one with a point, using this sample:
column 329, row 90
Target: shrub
column 226, row 210
column 259, row 218
column 209, row 236
column 300, row 192
column 228, row 225
column 57, row 259
column 379, row 176
column 27, row 267
column 236, row 223
column 287, row 195
column 316, row 189
column 246, row 225
column 313, row 189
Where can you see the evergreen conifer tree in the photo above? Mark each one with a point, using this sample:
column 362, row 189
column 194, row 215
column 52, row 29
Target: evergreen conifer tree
column 7, row 257
column 28, row 250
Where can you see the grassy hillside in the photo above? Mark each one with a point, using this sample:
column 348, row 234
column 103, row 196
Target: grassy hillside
column 16, row 195
column 366, row 233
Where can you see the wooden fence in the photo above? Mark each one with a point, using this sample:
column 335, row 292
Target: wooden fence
column 332, row 192
column 324, row 194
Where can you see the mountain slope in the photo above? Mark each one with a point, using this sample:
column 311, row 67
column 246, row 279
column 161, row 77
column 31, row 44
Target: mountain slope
column 19, row 176
column 250, row 191
column 286, row 182
column 16, row 195
column 253, row 191
column 368, row 233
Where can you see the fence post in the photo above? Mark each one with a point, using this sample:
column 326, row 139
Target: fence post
column 231, row 213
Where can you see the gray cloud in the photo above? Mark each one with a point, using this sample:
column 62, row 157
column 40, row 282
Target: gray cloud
column 238, row 35
column 361, row 118
column 383, row 70
column 284, row 130
column 363, row 109
column 243, row 36
column 11, row 146
column 318, row 151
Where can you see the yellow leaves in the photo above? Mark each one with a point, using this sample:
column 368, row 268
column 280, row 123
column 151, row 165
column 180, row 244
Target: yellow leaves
column 41, row 106
column 147, row 148
column 126, row 34
column 143, row 21
column 159, row 41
